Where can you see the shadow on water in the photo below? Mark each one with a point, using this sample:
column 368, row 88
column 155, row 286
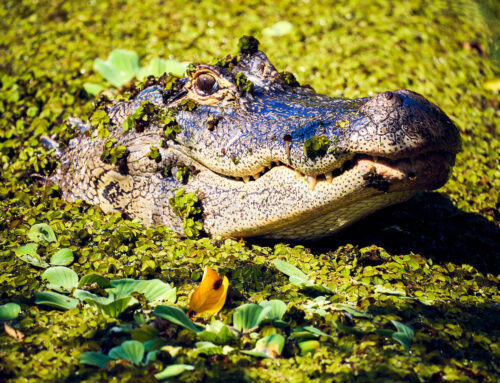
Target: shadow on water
column 430, row 225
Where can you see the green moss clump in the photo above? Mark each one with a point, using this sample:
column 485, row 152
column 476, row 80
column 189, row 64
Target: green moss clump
column 248, row 45
column 316, row 146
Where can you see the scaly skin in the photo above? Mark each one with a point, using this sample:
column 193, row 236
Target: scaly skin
column 251, row 172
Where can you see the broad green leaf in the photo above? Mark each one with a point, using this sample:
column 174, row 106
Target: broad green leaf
column 173, row 370
column 120, row 67
column 307, row 332
column 113, row 308
column 308, row 346
column 403, row 335
column 153, row 290
column 94, row 278
column 63, row 257
column 159, row 66
column 208, row 348
column 217, row 332
column 355, row 313
column 60, row 278
column 249, row 315
column 131, row 350
column 96, row 359
column 281, row 28
column 144, row 333
column 269, row 347
column 42, row 232
column 151, row 356
column 154, row 344
column 92, row 88
column 176, row 316
column 385, row 290
column 9, row 311
column 296, row 276
column 29, row 255
column 56, row 300
column 278, row 309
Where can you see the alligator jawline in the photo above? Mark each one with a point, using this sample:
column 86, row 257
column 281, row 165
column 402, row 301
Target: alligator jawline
column 345, row 166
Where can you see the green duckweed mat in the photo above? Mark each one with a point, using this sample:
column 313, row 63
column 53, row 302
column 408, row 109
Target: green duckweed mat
column 431, row 263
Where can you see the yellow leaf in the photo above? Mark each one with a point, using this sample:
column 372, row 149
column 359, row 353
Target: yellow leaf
column 210, row 295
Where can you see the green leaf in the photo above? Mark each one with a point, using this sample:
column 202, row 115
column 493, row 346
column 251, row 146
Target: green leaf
column 355, row 313
column 62, row 257
column 269, row 347
column 144, row 333
column 173, row 370
column 385, row 290
column 296, row 276
column 113, row 308
column 56, row 300
column 308, row 346
column 404, row 335
column 94, row 278
column 28, row 254
column 153, row 290
column 158, row 67
column 60, row 278
column 92, row 88
column 131, row 350
column 120, row 67
column 9, row 311
column 42, row 232
column 217, row 332
column 281, row 28
column 307, row 332
column 278, row 309
column 249, row 315
column 176, row 316
column 208, row 348
column 95, row 359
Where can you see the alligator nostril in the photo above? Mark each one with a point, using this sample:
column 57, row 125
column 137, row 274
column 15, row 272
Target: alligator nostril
column 388, row 95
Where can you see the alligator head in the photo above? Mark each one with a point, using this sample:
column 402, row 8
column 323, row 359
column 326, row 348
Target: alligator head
column 265, row 156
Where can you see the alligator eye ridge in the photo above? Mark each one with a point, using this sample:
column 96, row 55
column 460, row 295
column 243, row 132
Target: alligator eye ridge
column 206, row 84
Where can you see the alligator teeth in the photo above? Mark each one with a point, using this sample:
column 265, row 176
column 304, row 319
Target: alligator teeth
column 312, row 181
column 298, row 174
column 329, row 177
column 375, row 158
column 246, row 179
column 256, row 176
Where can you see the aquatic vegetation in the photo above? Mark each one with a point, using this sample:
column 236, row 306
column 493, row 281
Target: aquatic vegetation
column 424, row 275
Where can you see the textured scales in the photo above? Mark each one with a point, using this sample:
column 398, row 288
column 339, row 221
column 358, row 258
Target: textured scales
column 245, row 150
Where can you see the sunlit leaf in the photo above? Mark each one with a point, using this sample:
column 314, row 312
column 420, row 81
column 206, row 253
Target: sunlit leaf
column 249, row 316
column 153, row 290
column 131, row 350
column 113, row 308
column 210, row 295
column 308, row 346
column 63, row 257
column 173, row 370
column 176, row 316
column 42, row 232
column 96, row 359
column 94, row 278
column 278, row 309
column 269, row 347
column 281, row 28
column 29, row 255
column 92, row 88
column 208, row 348
column 296, row 276
column 120, row 67
column 56, row 300
column 60, row 278
column 9, row 311
column 158, row 67
column 217, row 332
column 385, row 290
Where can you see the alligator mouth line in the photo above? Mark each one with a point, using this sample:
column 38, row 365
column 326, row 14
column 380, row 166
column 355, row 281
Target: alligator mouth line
column 411, row 165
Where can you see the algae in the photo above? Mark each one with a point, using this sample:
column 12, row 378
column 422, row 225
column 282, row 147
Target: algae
column 431, row 263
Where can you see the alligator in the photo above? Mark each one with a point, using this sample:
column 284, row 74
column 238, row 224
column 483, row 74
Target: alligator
column 263, row 156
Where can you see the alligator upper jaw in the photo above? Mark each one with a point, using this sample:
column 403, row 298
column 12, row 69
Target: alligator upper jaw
column 428, row 170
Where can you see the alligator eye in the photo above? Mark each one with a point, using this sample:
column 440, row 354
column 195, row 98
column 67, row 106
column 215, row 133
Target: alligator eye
column 206, row 84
